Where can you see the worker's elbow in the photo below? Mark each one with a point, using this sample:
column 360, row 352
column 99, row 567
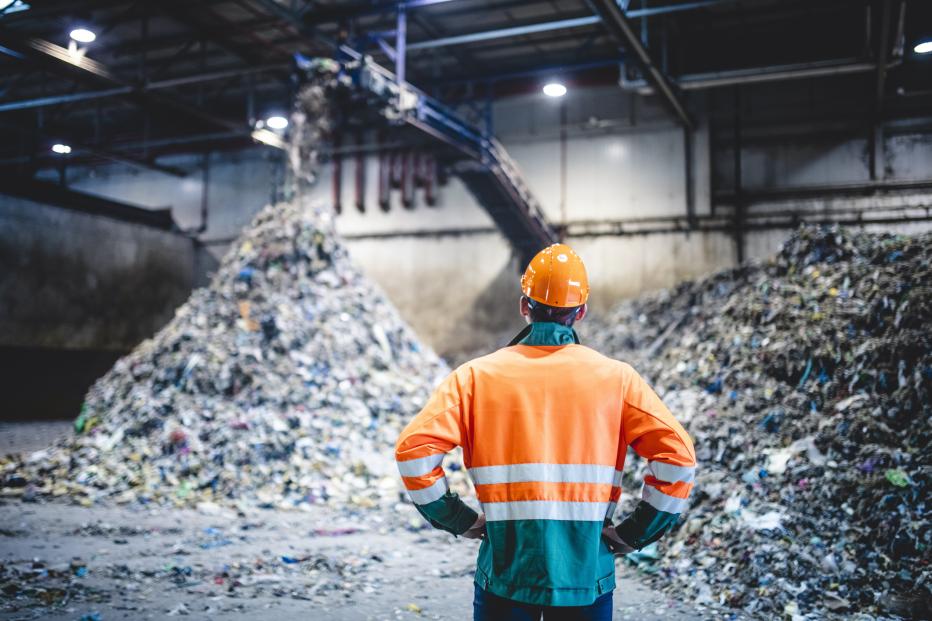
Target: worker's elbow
column 402, row 445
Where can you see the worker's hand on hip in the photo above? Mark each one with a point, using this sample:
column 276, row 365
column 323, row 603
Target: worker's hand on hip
column 615, row 543
column 477, row 530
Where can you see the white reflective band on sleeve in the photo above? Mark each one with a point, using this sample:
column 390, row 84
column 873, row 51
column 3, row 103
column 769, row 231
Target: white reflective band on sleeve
column 429, row 494
column 671, row 473
column 420, row 466
column 550, row 473
column 610, row 512
column 545, row 510
column 662, row 502
column 616, row 480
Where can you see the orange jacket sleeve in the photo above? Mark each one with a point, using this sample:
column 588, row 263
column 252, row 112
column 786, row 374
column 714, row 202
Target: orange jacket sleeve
column 436, row 430
column 654, row 434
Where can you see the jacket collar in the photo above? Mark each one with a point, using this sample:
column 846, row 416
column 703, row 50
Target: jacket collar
column 545, row 333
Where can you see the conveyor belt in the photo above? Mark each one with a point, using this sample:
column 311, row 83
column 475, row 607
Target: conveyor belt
column 485, row 168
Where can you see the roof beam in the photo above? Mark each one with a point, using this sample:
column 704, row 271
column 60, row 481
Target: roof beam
column 335, row 12
column 54, row 100
column 561, row 24
column 60, row 59
column 621, row 30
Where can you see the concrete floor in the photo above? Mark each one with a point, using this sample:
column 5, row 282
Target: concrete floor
column 138, row 563
column 60, row 561
column 25, row 437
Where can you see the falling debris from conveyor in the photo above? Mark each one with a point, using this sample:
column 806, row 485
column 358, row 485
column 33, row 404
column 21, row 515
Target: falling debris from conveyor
column 806, row 382
column 313, row 118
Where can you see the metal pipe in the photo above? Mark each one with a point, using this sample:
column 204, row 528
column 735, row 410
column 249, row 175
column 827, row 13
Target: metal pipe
column 401, row 35
column 701, row 81
column 407, row 179
column 739, row 202
column 875, row 136
column 131, row 146
column 549, row 70
column 41, row 102
column 689, row 162
column 385, row 174
column 205, row 193
column 562, row 24
column 360, row 175
column 502, row 33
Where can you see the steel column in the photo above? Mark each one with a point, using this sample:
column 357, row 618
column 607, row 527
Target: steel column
column 875, row 137
column 739, row 201
column 689, row 162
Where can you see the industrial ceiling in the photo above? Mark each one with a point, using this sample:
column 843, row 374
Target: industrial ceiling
column 182, row 76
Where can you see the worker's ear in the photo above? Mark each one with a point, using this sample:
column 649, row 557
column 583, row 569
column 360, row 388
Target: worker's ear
column 581, row 312
column 524, row 308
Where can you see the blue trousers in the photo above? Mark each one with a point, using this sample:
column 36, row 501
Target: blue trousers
column 488, row 607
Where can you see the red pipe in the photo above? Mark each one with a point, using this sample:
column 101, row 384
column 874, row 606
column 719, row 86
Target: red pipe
column 429, row 179
column 385, row 173
column 407, row 180
column 360, row 175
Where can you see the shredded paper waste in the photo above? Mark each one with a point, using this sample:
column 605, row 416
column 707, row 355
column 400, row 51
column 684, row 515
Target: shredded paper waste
column 806, row 383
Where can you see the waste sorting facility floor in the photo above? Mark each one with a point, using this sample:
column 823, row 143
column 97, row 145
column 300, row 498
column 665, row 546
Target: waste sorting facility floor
column 141, row 563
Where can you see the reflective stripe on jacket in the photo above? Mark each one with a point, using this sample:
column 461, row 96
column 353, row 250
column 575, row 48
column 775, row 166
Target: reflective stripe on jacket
column 545, row 431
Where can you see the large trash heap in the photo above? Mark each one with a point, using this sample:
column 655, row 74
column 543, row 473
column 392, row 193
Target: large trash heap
column 806, row 383
column 283, row 383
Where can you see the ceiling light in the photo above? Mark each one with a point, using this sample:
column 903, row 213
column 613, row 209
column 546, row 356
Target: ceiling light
column 83, row 35
column 7, row 7
column 61, row 149
column 554, row 89
column 276, row 122
column 923, row 48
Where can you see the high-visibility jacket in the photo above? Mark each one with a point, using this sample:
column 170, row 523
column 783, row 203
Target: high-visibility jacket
column 545, row 428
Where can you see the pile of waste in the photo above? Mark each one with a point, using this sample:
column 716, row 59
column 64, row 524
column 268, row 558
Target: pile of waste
column 806, row 383
column 284, row 382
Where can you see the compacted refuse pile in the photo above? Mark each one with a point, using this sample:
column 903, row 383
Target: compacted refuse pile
column 806, row 383
column 284, row 382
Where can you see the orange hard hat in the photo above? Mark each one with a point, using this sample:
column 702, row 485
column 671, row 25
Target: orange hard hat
column 556, row 276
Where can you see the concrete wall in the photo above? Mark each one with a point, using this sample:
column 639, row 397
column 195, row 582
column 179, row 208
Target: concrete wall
column 74, row 280
column 238, row 184
column 78, row 290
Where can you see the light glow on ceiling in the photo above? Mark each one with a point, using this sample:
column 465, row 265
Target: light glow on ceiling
column 276, row 122
column 554, row 89
column 925, row 47
column 83, row 35
column 12, row 6
column 61, row 149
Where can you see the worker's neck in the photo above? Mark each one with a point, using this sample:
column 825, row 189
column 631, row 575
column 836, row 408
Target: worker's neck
column 549, row 333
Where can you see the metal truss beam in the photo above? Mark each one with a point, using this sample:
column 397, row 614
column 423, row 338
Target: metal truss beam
column 562, row 24
column 54, row 100
column 622, row 31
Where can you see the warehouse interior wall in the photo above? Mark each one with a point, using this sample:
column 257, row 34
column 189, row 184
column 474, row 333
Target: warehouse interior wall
column 617, row 157
column 78, row 291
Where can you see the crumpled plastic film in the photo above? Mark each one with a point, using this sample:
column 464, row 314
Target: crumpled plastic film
column 806, row 383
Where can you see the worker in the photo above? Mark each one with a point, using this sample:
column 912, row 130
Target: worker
column 545, row 424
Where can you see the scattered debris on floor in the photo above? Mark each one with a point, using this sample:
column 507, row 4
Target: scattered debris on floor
column 806, row 382
column 282, row 384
